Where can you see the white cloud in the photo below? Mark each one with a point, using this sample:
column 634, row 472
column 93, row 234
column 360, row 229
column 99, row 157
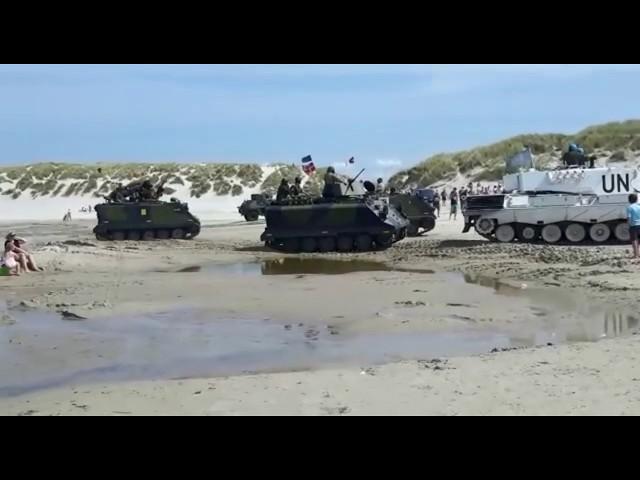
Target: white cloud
column 320, row 70
column 336, row 70
column 459, row 78
column 388, row 162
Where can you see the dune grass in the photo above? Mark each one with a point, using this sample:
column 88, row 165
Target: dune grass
column 488, row 161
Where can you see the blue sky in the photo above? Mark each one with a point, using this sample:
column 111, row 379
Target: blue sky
column 387, row 116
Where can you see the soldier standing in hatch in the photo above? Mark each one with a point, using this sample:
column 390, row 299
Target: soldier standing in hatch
column 331, row 183
column 117, row 194
column 146, row 191
column 296, row 189
column 283, row 190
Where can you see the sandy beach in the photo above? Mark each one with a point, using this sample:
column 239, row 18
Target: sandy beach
column 445, row 324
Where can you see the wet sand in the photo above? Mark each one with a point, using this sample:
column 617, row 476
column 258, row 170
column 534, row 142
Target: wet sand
column 274, row 334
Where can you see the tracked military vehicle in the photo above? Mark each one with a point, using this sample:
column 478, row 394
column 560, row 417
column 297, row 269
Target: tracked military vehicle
column 354, row 219
column 135, row 212
column 418, row 211
column 253, row 208
column 574, row 205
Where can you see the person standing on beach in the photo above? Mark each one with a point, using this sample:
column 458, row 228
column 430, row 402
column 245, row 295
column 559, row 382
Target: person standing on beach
column 436, row 204
column 453, row 201
column 633, row 214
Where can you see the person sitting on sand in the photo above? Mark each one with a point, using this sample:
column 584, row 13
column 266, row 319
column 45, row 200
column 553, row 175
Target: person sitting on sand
column 15, row 245
column 9, row 260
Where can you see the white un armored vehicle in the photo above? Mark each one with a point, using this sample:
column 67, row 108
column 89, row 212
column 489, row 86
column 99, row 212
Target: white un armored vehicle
column 574, row 205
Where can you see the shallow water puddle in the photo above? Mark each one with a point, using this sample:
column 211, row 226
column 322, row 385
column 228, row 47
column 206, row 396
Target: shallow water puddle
column 40, row 350
column 296, row 266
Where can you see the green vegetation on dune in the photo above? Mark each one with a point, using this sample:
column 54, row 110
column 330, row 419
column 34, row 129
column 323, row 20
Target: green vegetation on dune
column 14, row 173
column 71, row 189
column 24, row 183
column 53, row 179
column 43, row 189
column 619, row 141
column 221, row 187
column 249, row 175
column 58, row 190
column 272, row 182
column 611, row 136
column 487, row 163
column 91, row 185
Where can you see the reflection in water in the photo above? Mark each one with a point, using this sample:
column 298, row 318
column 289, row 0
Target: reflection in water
column 497, row 285
column 324, row 266
column 319, row 266
column 193, row 269
column 298, row 266
column 618, row 323
column 189, row 343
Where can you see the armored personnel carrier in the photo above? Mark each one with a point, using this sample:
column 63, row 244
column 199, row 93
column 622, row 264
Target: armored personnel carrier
column 252, row 209
column 135, row 212
column 354, row 219
column 575, row 205
column 418, row 211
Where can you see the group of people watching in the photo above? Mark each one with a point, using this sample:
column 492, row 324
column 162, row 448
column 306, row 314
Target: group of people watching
column 332, row 186
column 457, row 196
column 477, row 190
column 15, row 259
column 135, row 192
column 575, row 156
column 285, row 190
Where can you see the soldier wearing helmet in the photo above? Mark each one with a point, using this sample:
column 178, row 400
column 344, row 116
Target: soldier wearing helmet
column 283, row 190
column 296, row 189
column 575, row 156
column 146, row 191
column 332, row 184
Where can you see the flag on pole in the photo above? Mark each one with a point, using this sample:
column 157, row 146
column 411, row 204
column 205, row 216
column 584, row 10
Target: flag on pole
column 522, row 160
column 308, row 166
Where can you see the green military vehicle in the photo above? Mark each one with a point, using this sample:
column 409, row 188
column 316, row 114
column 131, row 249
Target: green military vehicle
column 252, row 209
column 133, row 214
column 418, row 211
column 349, row 221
